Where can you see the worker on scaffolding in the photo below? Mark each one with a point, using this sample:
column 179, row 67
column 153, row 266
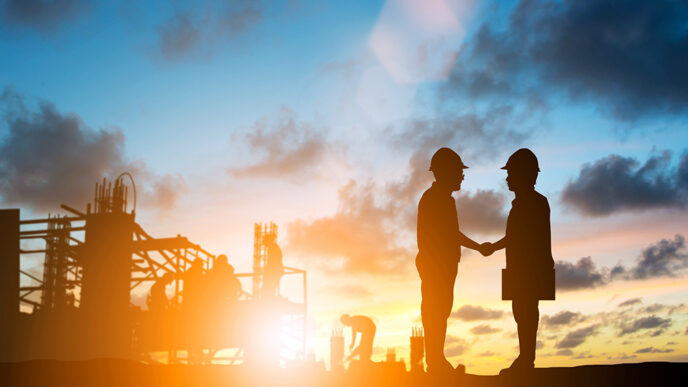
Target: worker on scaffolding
column 366, row 327
column 225, row 286
column 158, row 302
column 274, row 269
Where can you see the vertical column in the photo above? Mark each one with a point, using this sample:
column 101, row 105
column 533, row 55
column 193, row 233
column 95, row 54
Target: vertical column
column 9, row 279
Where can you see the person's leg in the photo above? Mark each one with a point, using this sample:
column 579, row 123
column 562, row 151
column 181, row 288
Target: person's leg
column 434, row 324
column 526, row 314
column 366, row 347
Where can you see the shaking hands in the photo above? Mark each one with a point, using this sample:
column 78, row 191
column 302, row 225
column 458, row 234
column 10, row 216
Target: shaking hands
column 486, row 249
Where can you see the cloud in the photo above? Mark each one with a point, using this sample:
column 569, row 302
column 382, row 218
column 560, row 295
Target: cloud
column 178, row 36
column 481, row 212
column 577, row 337
column 487, row 354
column 666, row 258
column 48, row 158
column 643, row 323
column 200, row 28
column 564, row 352
column 476, row 313
column 622, row 184
column 484, row 329
column 287, row 147
column 45, row 16
column 590, row 51
column 455, row 346
column 654, row 350
column 356, row 239
column 562, row 318
column 630, row 302
column 580, row 275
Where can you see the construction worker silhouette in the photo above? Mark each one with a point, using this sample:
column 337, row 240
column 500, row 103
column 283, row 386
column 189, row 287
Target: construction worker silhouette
column 529, row 273
column 157, row 299
column 274, row 269
column 439, row 252
column 366, row 327
column 225, row 286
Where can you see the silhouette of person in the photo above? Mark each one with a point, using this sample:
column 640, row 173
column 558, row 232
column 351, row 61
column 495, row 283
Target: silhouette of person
column 529, row 262
column 439, row 252
column 366, row 327
column 274, row 269
column 225, row 286
column 157, row 301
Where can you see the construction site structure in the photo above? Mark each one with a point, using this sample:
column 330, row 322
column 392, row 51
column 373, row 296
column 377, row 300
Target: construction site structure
column 417, row 349
column 337, row 349
column 68, row 283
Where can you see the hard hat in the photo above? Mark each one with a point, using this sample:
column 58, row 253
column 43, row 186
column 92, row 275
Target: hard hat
column 523, row 160
column 221, row 258
column 168, row 277
column 446, row 158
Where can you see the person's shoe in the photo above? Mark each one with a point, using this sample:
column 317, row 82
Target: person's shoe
column 519, row 366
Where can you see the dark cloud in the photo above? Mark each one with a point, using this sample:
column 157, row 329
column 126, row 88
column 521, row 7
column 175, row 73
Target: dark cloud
column 481, row 212
column 562, row 318
column 43, row 15
column 286, row 148
column 487, row 354
column 455, row 346
column 643, row 323
column 630, row 302
column 476, row 313
column 564, row 352
column 202, row 26
column 177, row 37
column 654, row 350
column 48, row 158
column 484, row 329
column 577, row 337
column 583, row 274
column 666, row 258
column 616, row 184
column 628, row 58
column 476, row 136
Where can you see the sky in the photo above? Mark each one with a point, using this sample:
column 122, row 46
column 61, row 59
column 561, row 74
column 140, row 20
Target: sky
column 322, row 117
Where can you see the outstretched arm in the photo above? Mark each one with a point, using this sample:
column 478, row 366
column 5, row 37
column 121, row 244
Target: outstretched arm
column 484, row 249
column 500, row 244
column 468, row 242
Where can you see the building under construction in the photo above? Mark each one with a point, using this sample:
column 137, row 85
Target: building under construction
column 93, row 261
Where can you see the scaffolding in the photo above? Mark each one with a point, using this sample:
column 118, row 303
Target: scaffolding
column 93, row 261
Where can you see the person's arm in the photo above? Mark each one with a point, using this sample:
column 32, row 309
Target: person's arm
column 354, row 333
column 485, row 249
column 500, row 244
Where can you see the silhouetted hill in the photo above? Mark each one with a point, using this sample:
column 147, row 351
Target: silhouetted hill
column 111, row 372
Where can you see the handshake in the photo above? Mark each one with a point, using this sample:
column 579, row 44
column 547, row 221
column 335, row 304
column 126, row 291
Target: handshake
column 486, row 249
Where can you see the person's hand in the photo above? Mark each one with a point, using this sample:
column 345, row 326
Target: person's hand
column 486, row 249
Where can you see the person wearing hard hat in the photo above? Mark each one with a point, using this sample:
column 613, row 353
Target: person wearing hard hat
column 529, row 273
column 439, row 252
column 157, row 299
